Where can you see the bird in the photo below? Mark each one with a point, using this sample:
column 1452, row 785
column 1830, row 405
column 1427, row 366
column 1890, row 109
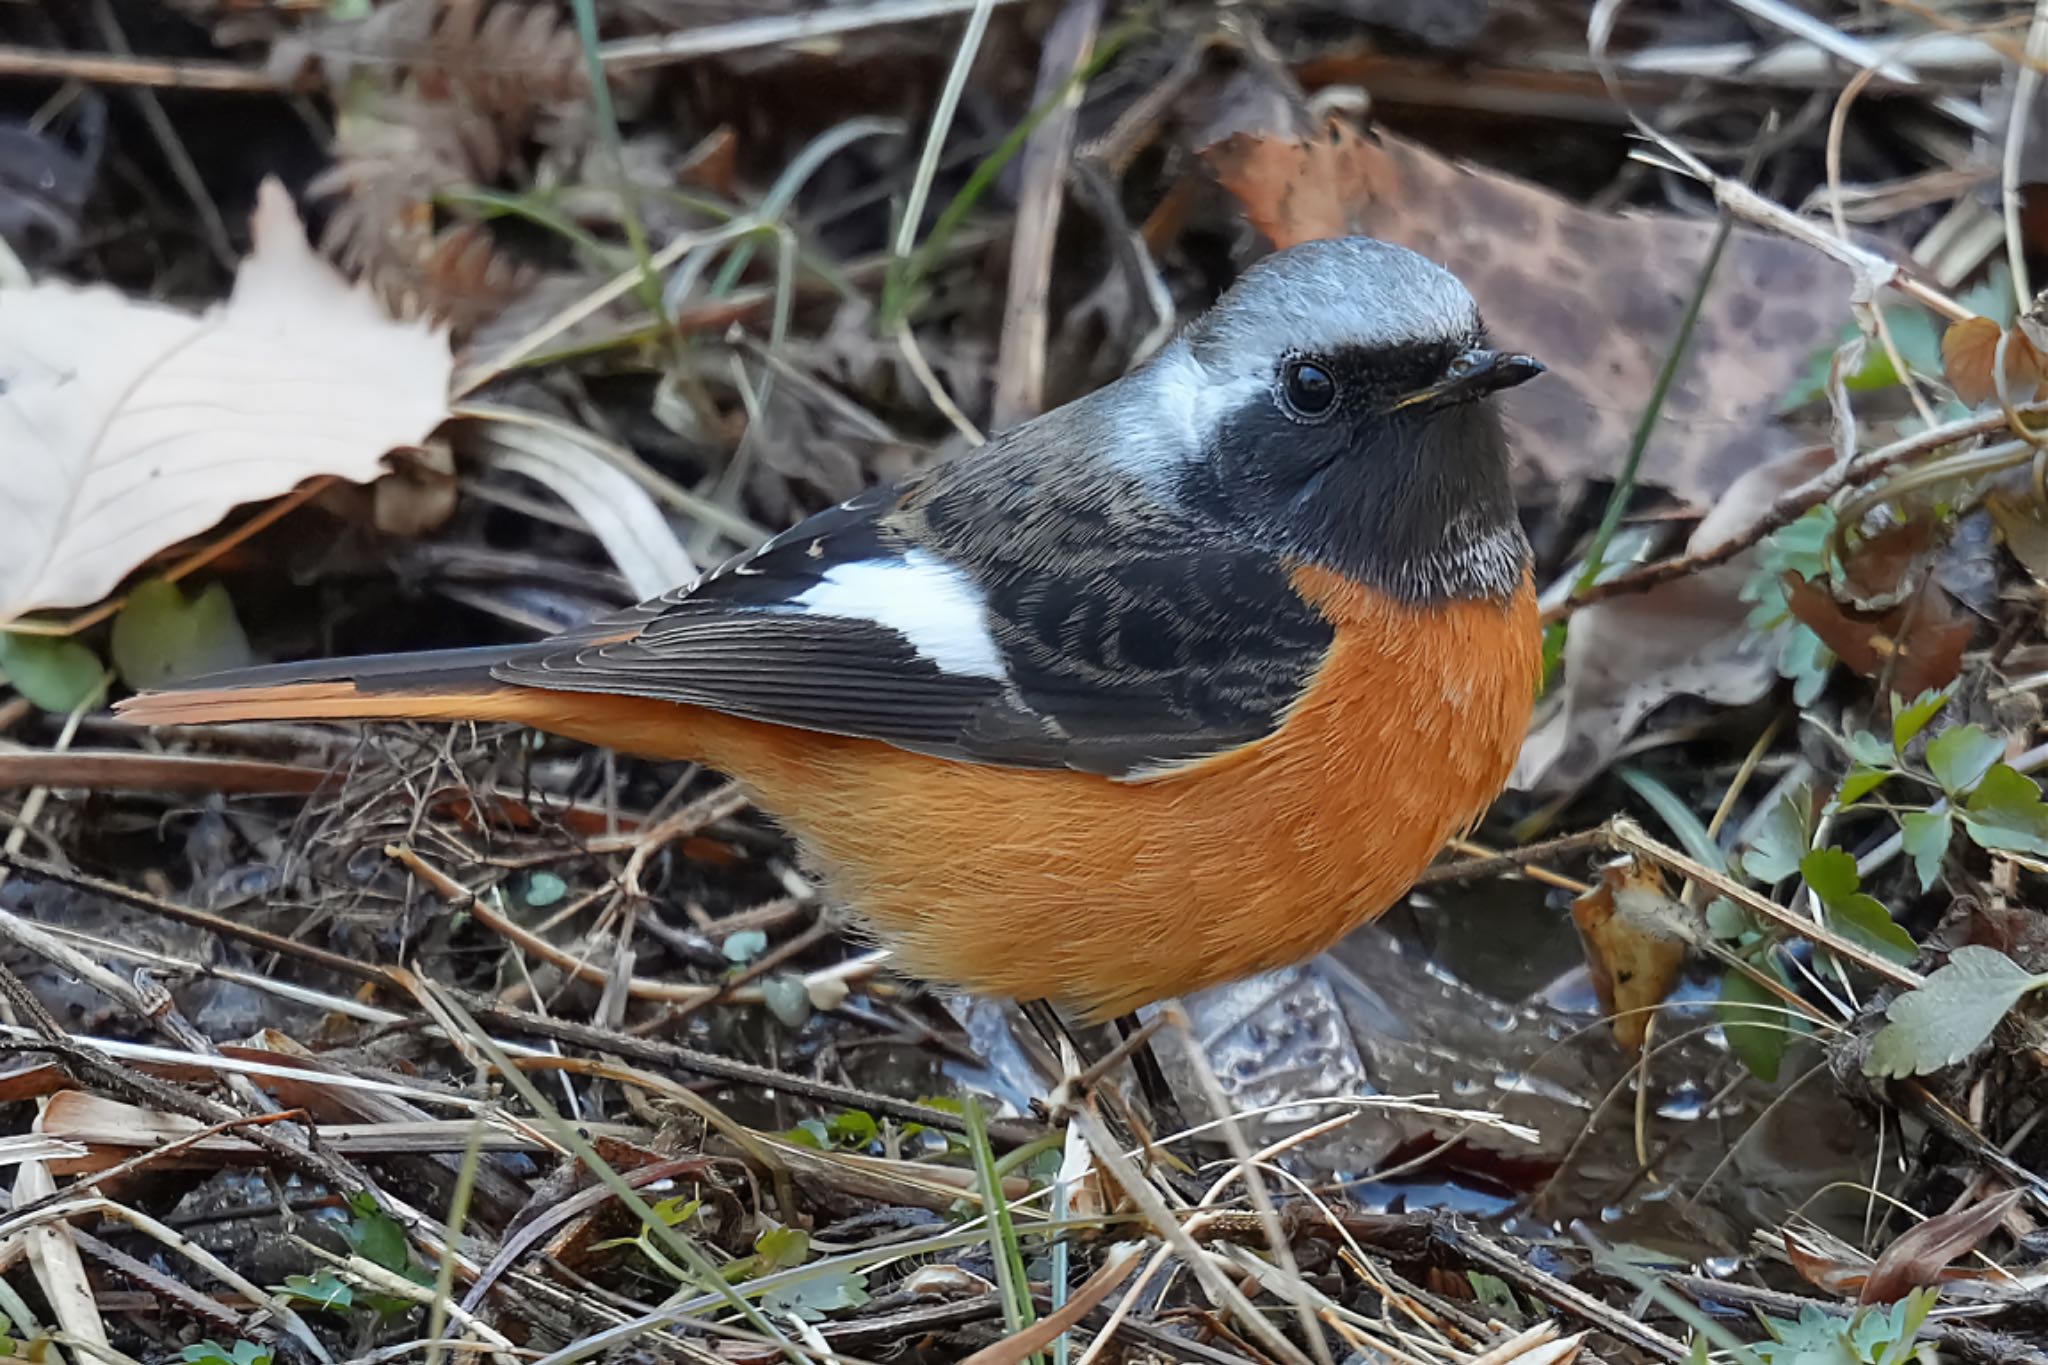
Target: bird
column 1169, row 686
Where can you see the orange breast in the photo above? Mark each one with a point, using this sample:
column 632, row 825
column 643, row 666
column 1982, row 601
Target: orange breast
column 1103, row 895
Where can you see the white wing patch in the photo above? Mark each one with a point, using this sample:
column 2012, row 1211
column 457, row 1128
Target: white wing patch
column 927, row 601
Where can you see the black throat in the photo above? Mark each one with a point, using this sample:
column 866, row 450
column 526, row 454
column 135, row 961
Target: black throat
column 1417, row 505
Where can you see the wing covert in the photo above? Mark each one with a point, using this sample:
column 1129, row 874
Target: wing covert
column 964, row 632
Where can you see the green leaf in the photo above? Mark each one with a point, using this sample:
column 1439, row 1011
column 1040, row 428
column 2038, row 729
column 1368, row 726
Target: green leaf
column 161, row 636
column 833, row 1291
column 780, row 1248
column 210, row 1352
column 1831, row 872
column 54, row 673
column 1779, row 842
column 1867, row 749
column 1910, row 718
column 1961, row 754
column 1726, row 919
column 1677, row 817
column 677, row 1209
column 1804, row 547
column 787, row 998
column 1908, row 1315
column 810, row 1133
column 1554, row 637
column 2006, row 812
column 1864, row 920
column 1927, row 834
column 373, row 1235
column 744, row 946
column 854, row 1129
column 1755, row 1024
column 1951, row 1014
column 1805, row 662
column 1495, row 1295
column 1859, row 782
column 1817, row 1338
column 324, row 1290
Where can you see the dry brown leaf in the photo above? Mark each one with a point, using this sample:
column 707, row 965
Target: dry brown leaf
column 2022, row 524
column 1919, row 1256
column 1625, row 924
column 713, row 164
column 1824, row 1261
column 419, row 495
column 1597, row 297
column 1296, row 191
column 1627, row 656
column 1969, row 358
column 1898, row 622
column 1967, row 351
column 127, row 426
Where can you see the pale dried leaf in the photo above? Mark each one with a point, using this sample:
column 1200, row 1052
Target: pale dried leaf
column 1626, row 923
column 59, row 1269
column 127, row 426
column 597, row 480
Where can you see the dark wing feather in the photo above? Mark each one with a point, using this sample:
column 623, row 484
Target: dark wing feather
column 1122, row 650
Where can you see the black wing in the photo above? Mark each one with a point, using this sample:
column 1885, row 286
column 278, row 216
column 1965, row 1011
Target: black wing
column 985, row 620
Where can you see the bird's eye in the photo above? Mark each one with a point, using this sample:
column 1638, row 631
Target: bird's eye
column 1309, row 388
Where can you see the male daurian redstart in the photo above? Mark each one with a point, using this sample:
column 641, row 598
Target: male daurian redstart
column 1177, row 683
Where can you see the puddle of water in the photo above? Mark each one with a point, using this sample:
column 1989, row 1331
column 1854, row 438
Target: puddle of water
column 1481, row 998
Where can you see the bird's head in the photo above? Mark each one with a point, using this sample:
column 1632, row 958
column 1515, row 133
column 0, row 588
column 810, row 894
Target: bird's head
column 1336, row 404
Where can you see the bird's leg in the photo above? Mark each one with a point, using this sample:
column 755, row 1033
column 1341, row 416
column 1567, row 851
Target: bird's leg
column 1152, row 1083
column 1098, row 1059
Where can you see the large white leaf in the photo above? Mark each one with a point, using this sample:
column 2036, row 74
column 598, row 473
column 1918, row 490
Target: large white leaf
column 127, row 426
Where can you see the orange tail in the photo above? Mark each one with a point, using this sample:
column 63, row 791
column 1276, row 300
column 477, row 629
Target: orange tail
column 441, row 685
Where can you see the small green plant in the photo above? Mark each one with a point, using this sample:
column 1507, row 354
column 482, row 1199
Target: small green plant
column 1805, row 548
column 673, row 1213
column 1994, row 804
column 744, row 946
column 375, row 1236
column 53, row 672
column 326, row 1291
column 1951, row 1014
column 1954, row 782
column 211, row 1352
column 851, row 1130
column 1871, row 1336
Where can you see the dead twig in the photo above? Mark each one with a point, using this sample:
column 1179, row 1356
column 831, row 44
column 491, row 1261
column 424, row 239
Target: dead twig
column 165, row 73
column 1790, row 506
column 1020, row 365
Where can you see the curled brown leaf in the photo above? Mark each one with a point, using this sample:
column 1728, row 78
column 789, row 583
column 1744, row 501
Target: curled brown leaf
column 1969, row 358
column 1919, row 1257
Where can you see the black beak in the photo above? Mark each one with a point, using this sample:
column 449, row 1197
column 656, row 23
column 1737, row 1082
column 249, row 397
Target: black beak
column 1478, row 373
column 1472, row 376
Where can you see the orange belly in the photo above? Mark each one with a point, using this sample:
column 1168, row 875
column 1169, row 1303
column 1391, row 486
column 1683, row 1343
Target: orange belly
column 1103, row 895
